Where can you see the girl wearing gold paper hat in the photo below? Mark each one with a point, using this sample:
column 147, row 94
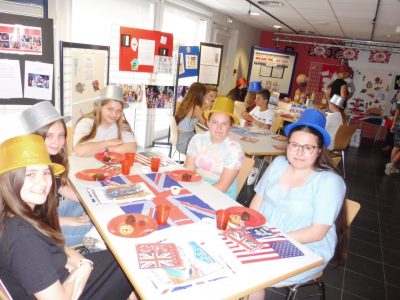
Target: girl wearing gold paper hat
column 34, row 261
column 43, row 119
column 214, row 155
column 105, row 128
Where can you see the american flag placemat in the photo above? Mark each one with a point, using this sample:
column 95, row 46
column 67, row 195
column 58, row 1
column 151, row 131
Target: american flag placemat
column 274, row 245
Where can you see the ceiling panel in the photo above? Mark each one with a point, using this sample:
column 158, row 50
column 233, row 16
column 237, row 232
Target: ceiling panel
column 345, row 18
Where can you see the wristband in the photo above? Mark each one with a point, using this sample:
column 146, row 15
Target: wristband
column 85, row 260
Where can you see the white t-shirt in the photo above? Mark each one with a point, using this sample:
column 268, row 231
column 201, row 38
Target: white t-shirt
column 266, row 116
column 85, row 125
column 333, row 122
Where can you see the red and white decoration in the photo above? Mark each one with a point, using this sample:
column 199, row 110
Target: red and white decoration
column 376, row 56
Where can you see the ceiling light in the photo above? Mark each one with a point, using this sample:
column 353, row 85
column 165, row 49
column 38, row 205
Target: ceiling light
column 271, row 3
column 253, row 13
column 321, row 23
column 277, row 26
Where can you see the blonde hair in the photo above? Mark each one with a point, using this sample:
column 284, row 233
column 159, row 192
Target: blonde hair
column 95, row 114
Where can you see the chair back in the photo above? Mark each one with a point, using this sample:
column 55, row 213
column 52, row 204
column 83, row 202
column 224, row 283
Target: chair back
column 244, row 172
column 238, row 109
column 352, row 208
column 200, row 128
column 336, row 160
column 70, row 133
column 343, row 137
column 4, row 294
column 173, row 131
column 276, row 124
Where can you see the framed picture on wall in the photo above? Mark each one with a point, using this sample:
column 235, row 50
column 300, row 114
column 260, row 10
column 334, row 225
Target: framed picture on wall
column 274, row 68
column 84, row 71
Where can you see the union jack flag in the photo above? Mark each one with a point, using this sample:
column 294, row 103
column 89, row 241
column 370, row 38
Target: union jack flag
column 158, row 255
column 186, row 208
column 274, row 246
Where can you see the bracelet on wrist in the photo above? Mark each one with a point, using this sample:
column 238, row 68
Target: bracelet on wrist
column 85, row 260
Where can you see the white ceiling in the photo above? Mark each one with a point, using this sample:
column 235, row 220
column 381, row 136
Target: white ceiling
column 352, row 19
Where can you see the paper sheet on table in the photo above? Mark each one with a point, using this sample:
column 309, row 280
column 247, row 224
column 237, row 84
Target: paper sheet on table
column 10, row 79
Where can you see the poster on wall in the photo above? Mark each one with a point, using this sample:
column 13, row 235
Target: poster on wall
column 159, row 96
column 145, row 50
column 88, row 73
column 188, row 61
column 210, row 63
column 20, row 39
column 373, row 90
column 273, row 68
column 10, row 79
column 133, row 93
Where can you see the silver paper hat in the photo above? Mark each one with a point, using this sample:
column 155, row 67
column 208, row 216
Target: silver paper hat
column 39, row 115
column 337, row 100
column 112, row 92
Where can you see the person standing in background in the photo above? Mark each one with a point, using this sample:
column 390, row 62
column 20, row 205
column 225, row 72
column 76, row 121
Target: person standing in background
column 395, row 155
column 239, row 92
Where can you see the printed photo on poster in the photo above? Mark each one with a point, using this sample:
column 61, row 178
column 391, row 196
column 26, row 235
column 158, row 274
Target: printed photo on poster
column 182, row 89
column 133, row 93
column 159, row 96
column 38, row 80
column 19, row 39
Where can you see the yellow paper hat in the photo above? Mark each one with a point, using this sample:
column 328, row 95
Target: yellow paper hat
column 225, row 105
column 23, row 151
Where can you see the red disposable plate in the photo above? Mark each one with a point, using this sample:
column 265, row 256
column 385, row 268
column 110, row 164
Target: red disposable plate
column 132, row 225
column 110, row 158
column 178, row 174
column 94, row 175
column 255, row 218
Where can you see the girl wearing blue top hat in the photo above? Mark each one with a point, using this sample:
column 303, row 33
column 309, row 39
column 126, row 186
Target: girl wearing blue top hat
column 302, row 194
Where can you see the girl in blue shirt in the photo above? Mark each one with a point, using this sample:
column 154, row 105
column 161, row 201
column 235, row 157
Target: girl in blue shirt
column 302, row 194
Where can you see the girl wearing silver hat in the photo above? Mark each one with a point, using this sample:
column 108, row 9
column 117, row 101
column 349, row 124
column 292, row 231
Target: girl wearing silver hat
column 43, row 119
column 34, row 261
column 335, row 117
column 105, row 128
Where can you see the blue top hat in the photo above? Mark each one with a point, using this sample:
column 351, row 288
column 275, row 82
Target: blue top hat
column 314, row 119
column 255, row 86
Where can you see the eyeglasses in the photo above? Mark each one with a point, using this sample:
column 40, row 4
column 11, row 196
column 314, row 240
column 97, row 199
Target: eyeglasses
column 307, row 149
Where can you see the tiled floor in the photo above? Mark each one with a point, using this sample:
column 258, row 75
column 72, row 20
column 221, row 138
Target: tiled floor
column 372, row 269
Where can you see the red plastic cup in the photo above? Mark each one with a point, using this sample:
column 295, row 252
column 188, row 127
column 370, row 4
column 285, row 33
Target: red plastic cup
column 130, row 157
column 222, row 219
column 155, row 164
column 125, row 167
column 162, row 214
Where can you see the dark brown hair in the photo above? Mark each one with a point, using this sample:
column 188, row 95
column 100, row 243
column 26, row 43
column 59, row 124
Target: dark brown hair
column 194, row 97
column 324, row 163
column 95, row 114
column 43, row 217
column 62, row 156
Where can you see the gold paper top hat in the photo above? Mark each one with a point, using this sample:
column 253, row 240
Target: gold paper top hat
column 23, row 151
column 112, row 92
column 225, row 105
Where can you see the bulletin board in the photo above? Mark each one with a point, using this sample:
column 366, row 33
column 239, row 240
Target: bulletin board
column 145, row 51
column 210, row 63
column 274, row 68
column 26, row 60
column 84, row 71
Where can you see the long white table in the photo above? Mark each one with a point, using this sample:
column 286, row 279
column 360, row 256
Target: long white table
column 236, row 279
